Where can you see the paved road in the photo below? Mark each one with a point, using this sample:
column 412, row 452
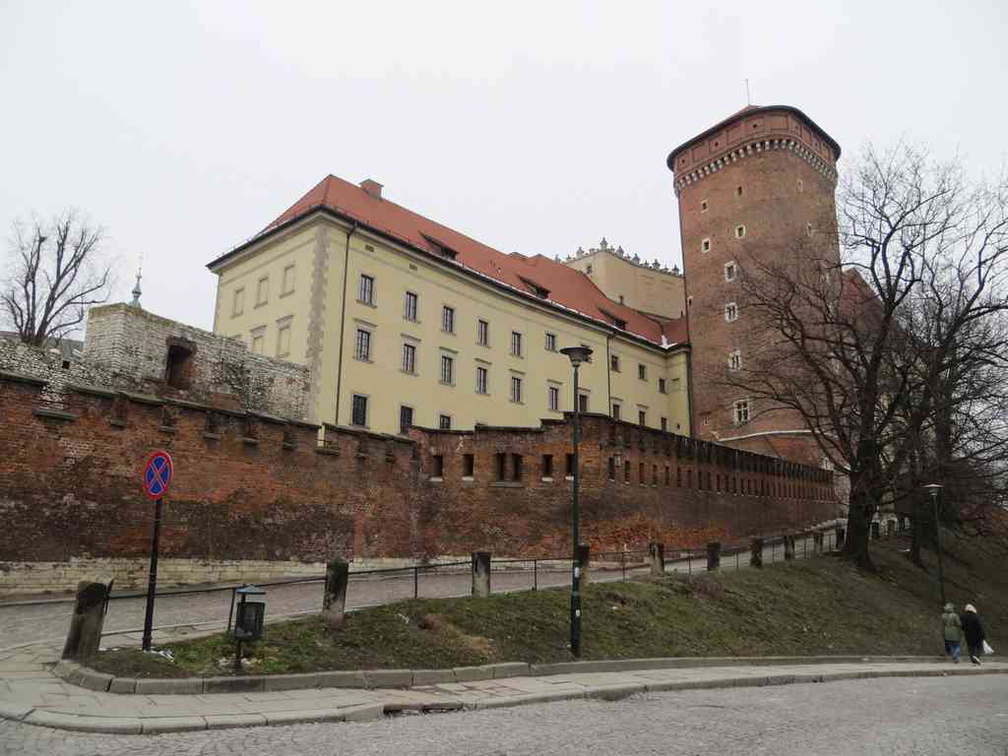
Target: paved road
column 945, row 716
column 49, row 622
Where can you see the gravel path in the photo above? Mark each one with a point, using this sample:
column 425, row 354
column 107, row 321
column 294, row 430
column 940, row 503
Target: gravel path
column 889, row 716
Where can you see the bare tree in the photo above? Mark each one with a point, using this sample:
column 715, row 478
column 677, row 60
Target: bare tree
column 56, row 273
column 876, row 328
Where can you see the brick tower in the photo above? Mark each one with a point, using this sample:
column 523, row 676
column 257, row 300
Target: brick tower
column 748, row 186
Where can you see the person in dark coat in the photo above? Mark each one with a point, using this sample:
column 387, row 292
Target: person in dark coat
column 973, row 630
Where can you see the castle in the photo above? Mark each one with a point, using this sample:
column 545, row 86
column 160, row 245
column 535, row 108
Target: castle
column 380, row 386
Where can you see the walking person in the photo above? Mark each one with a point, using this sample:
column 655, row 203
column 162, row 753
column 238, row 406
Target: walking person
column 953, row 632
column 973, row 630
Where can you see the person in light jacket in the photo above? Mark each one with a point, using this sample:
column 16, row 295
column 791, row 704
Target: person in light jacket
column 973, row 630
column 953, row 633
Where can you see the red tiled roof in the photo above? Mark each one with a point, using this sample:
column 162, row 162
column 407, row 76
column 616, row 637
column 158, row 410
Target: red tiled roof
column 566, row 286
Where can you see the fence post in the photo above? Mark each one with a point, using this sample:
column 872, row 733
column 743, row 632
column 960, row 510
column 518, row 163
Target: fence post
column 84, row 636
column 713, row 555
column 334, row 599
column 841, row 534
column 416, row 582
column 890, row 528
column 656, row 555
column 756, row 552
column 622, row 556
column 583, row 558
column 817, row 542
column 481, row 574
column 789, row 548
column 876, row 530
column 535, row 574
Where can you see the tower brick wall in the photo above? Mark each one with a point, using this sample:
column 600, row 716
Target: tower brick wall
column 749, row 189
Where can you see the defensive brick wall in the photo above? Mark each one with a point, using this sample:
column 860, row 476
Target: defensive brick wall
column 255, row 489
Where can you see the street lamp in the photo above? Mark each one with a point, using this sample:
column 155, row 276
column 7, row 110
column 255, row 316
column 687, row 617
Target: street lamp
column 935, row 489
column 577, row 355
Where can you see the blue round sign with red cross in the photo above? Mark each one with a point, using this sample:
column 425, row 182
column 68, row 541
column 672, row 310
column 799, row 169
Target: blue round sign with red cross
column 157, row 474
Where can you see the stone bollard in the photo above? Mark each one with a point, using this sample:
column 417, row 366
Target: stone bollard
column 713, row 555
column 756, row 552
column 817, row 542
column 87, row 621
column 841, row 534
column 876, row 530
column 481, row 574
column 583, row 558
column 789, row 550
column 656, row 556
column 334, row 600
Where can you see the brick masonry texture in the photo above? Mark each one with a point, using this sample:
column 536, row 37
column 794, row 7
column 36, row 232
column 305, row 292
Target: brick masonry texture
column 253, row 489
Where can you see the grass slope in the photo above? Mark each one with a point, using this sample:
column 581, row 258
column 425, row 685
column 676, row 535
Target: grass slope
column 815, row 606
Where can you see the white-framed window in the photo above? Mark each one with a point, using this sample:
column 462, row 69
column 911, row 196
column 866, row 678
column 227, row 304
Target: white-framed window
column 447, row 370
column 287, row 281
column 616, row 410
column 483, row 332
column 259, row 340
column 405, row 419
column 359, row 411
column 731, row 312
column 614, row 363
column 448, row 319
column 262, row 291
column 705, row 245
column 283, row 340
column 444, row 422
column 642, row 417
column 516, row 343
column 362, row 345
column 238, row 305
column 662, row 387
column 583, row 401
column 735, row 360
column 741, row 411
column 664, row 425
column 551, row 342
column 516, row 389
column 739, row 231
column 366, row 289
column 730, row 271
column 482, row 379
column 409, row 358
column 553, row 398
column 411, row 306
column 703, row 206
column 642, row 372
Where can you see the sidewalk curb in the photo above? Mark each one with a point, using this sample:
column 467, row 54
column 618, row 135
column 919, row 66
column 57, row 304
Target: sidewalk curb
column 76, row 674
column 371, row 712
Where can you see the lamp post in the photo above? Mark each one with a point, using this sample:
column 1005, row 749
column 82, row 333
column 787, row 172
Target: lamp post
column 935, row 489
column 576, row 355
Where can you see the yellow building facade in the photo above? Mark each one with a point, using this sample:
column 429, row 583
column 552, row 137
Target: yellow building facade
column 403, row 322
column 650, row 288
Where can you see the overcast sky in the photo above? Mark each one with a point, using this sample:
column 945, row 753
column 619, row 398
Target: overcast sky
column 184, row 128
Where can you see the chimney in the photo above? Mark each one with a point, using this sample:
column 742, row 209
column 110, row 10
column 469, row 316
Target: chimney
column 371, row 187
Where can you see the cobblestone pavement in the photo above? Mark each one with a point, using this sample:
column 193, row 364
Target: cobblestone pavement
column 202, row 612
column 961, row 715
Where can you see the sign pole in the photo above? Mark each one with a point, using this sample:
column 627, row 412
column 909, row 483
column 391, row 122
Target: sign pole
column 157, row 475
column 152, row 583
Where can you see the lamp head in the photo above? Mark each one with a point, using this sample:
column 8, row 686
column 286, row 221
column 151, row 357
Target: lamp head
column 934, row 488
column 577, row 354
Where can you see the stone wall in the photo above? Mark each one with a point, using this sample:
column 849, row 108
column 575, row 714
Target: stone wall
column 127, row 349
column 255, row 489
